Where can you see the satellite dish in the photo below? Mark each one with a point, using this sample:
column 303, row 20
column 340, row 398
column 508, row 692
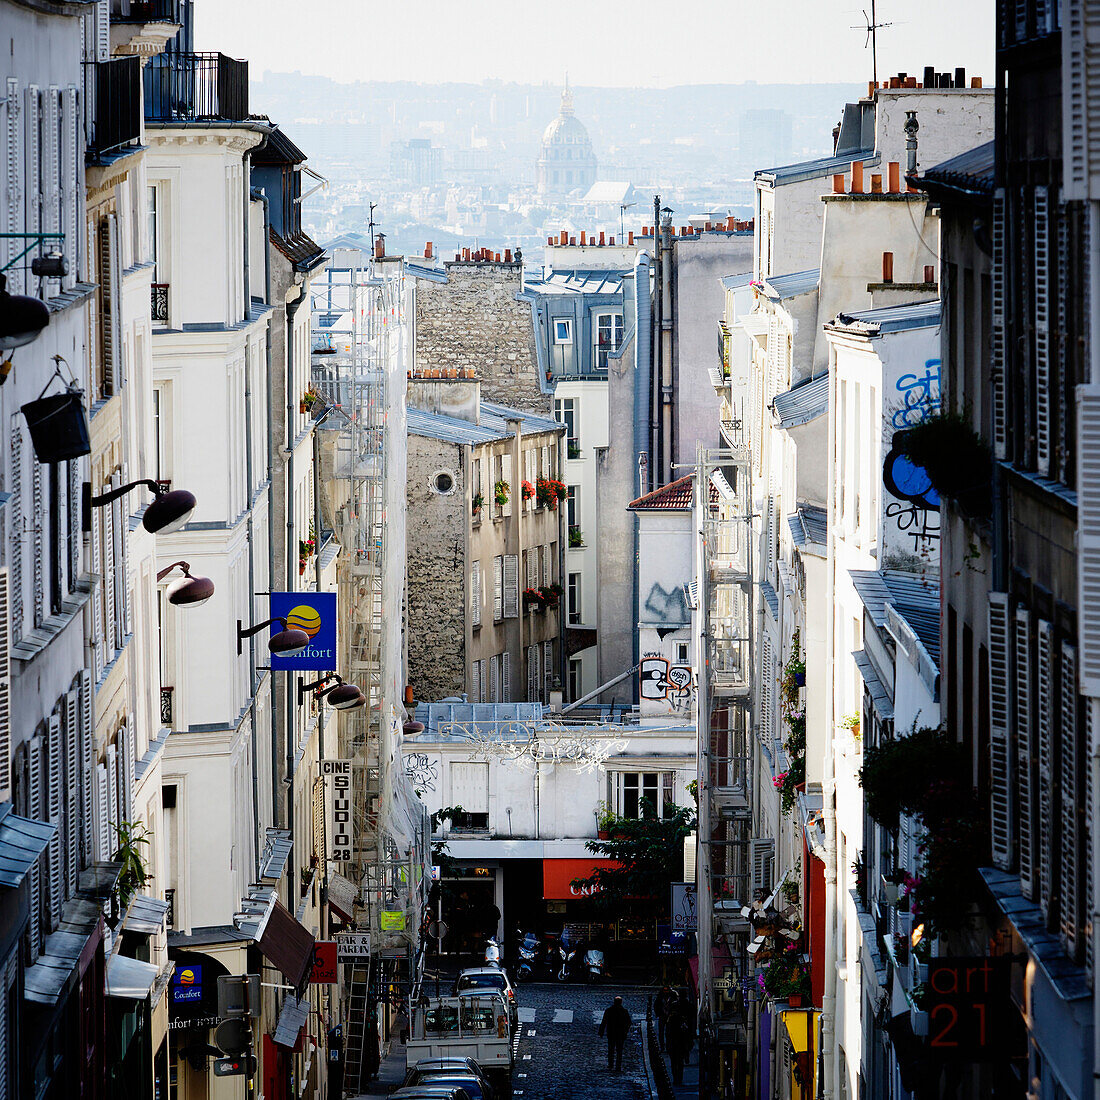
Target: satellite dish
column 233, row 1036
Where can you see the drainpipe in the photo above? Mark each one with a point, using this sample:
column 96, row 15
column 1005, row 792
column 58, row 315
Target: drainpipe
column 654, row 356
column 642, row 377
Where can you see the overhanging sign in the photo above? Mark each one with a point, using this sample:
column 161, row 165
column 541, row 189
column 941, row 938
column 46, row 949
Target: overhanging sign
column 352, row 945
column 336, row 775
column 315, row 613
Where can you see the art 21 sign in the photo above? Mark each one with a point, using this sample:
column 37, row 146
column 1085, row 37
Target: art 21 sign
column 315, row 613
column 969, row 1008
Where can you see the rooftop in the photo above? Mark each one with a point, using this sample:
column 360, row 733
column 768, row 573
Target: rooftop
column 676, row 496
column 969, row 174
column 493, row 426
column 573, row 282
column 802, row 403
column 809, row 527
column 876, row 322
column 815, row 169
column 779, row 287
column 914, row 596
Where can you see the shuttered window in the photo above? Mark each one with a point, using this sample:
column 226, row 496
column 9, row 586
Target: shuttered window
column 498, row 588
column 997, row 349
column 1071, row 791
column 506, row 677
column 38, row 499
column 1088, row 536
column 1044, row 736
column 71, row 187
column 511, row 586
column 494, row 679
column 87, row 773
column 476, row 687
column 1041, row 291
column 74, row 771
column 54, row 803
column 36, row 810
column 13, row 181
column 17, row 536
column 1025, row 793
column 547, row 669
column 5, row 689
column 475, row 594
column 766, row 692
column 763, row 859
column 102, row 813
column 470, row 786
column 1080, row 102
column 513, row 488
column 1001, row 787
column 532, row 673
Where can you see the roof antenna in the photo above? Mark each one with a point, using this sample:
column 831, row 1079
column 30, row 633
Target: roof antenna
column 871, row 25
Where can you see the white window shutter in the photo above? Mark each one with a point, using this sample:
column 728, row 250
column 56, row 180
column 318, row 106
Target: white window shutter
column 118, row 553
column 506, row 677
column 1080, row 99
column 99, row 596
column 1088, row 536
column 475, row 681
column 1000, row 415
column 17, row 536
column 74, row 771
column 87, row 773
column 1070, row 870
column 113, row 816
column 110, row 578
column 1000, row 758
column 107, row 316
column 547, row 570
column 102, row 812
column 548, row 669
column 1025, row 792
column 5, row 689
column 1044, row 736
column 532, row 673
column 115, row 303
column 126, row 764
column 513, row 488
column 38, row 498
column 36, row 810
column 763, row 854
column 1041, row 290
column 51, row 160
column 71, row 187
column 102, row 30
column 74, row 521
column 766, row 692
column 498, row 588
column 33, row 152
column 475, row 594
column 494, row 679
column 14, row 169
column 511, row 586
column 55, row 802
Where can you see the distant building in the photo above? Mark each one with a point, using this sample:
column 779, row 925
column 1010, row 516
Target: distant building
column 765, row 137
column 416, row 161
column 566, row 160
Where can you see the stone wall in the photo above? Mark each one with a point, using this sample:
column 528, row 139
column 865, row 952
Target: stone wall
column 436, row 563
column 474, row 320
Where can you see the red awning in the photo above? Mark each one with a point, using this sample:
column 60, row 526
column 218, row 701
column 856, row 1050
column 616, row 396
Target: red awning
column 558, row 875
column 287, row 945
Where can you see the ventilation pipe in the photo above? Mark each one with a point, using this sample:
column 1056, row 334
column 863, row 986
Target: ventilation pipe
column 644, row 334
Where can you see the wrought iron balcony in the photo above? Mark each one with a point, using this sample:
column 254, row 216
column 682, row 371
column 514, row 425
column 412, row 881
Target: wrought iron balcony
column 112, row 104
column 166, row 706
column 145, row 11
column 158, row 302
column 196, row 87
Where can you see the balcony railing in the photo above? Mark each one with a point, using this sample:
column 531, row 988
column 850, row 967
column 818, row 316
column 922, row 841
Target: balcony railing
column 112, row 104
column 166, row 706
column 158, row 302
column 145, row 11
column 196, row 87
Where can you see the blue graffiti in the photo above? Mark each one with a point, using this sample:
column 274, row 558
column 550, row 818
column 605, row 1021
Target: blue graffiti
column 920, row 395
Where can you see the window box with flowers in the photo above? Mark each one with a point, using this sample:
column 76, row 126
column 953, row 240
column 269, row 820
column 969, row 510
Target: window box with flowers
column 533, row 599
column 787, row 976
column 527, row 490
column 306, row 549
column 307, row 401
column 551, row 595
column 789, row 783
column 500, row 493
column 549, row 491
column 476, row 505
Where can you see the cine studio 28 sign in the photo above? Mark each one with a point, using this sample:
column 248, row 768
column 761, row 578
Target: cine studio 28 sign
column 315, row 613
column 336, row 776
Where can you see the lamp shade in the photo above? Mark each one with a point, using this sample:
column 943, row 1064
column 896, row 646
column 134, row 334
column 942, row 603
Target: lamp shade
column 21, row 319
column 169, row 512
column 190, row 591
column 345, row 697
column 288, row 642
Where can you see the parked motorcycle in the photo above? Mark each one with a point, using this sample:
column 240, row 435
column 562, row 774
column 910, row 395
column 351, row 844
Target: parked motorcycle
column 528, row 952
column 594, row 965
column 567, row 953
column 492, row 952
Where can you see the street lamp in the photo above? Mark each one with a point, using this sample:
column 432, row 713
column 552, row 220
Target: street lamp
column 286, row 643
column 187, row 591
column 170, row 510
column 340, row 696
column 22, row 319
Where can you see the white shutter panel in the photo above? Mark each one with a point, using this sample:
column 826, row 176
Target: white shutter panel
column 498, row 589
column 1024, row 751
column 51, row 163
column 126, row 764
column 18, row 537
column 1080, row 101
column 475, row 682
column 513, row 488
column 5, row 689
column 99, row 596
column 763, row 850
column 107, row 317
column 506, row 677
column 74, row 771
column 13, row 180
column 54, row 773
column 110, row 578
column 547, row 568
column 35, row 810
column 1041, row 290
column 102, row 814
column 114, row 306
column 1044, row 736
column 511, row 586
column 1000, row 760
column 548, row 668
column 470, row 786
column 118, row 554
column 32, row 151
column 1071, row 811
column 113, row 817
column 102, row 30
column 532, row 673
column 766, row 693
column 494, row 679
column 75, row 534
column 998, row 326
column 38, row 542
column 88, row 772
column 71, row 188
column 475, row 594
column 1088, row 536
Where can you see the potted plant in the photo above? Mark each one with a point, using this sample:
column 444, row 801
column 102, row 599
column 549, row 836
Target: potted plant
column 58, row 424
column 850, row 722
column 790, row 892
column 133, row 875
column 573, row 449
column 500, row 493
column 533, row 599
column 527, row 490
column 307, row 401
column 576, row 539
column 605, row 818
column 549, row 491
column 957, row 461
column 787, row 977
column 477, row 504
column 549, row 596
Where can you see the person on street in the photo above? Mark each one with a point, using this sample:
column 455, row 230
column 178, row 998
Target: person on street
column 663, row 1006
column 616, row 1022
column 680, row 1037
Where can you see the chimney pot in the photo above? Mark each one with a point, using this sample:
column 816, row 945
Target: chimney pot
column 496, row 257
column 876, row 183
column 550, row 240
column 975, row 82
column 507, row 255
column 838, row 184
column 572, row 240
column 611, row 241
column 894, row 177
column 564, row 237
column 929, row 76
column 601, row 236
column 929, row 273
column 629, row 237
column 960, row 77
column 911, row 82
column 895, row 82
column 428, row 250
column 871, row 88
column 888, row 267
column 583, row 238
column 857, row 177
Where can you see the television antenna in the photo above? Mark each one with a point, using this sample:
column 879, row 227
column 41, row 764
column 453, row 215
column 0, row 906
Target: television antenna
column 871, row 25
column 623, row 208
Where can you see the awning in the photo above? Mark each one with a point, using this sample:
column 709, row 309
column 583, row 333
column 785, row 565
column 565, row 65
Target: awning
column 276, row 853
column 801, row 1027
column 880, row 696
column 284, row 942
column 146, row 915
column 61, row 955
column 22, row 841
column 558, row 876
column 292, row 1018
column 802, row 403
column 342, row 893
column 130, row 978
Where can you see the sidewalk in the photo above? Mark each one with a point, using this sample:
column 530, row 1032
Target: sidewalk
column 390, row 1073
column 690, row 1087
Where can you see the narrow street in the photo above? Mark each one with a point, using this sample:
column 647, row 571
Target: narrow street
column 561, row 1055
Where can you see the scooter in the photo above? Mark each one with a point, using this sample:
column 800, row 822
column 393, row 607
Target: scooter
column 492, row 953
column 567, row 952
column 528, row 953
column 593, row 965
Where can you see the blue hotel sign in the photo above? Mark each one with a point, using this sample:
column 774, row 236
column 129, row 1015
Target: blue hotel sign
column 315, row 613
column 186, row 985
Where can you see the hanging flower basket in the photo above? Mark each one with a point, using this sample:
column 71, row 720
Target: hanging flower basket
column 549, row 491
column 527, row 489
column 500, row 493
column 58, row 424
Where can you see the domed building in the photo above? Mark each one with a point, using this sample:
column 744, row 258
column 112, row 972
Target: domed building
column 566, row 161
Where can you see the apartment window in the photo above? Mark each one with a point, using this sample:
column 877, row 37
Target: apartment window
column 533, row 673
column 574, row 599
column 498, row 589
column 574, row 678
column 571, row 506
column 477, row 682
column 151, row 223
column 607, row 337
column 682, row 652
column 494, row 679
column 470, row 790
column 565, row 412
column 475, row 594
column 159, row 464
column 563, row 330
column 631, row 789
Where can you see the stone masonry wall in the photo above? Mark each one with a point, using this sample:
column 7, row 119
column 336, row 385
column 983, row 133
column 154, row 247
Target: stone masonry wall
column 436, row 563
column 474, row 320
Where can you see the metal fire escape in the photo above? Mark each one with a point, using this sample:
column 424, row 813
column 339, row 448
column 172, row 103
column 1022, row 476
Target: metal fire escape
column 725, row 871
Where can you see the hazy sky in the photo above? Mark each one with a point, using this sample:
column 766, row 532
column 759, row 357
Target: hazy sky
column 599, row 42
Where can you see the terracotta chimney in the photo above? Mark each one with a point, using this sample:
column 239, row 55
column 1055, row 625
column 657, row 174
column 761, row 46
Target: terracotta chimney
column 929, row 273
column 583, row 238
column 507, row 255
column 380, row 247
column 975, row 82
column 612, row 242
column 549, row 240
column 876, row 183
column 564, row 237
column 601, row 237
column 894, row 170
column 857, row 177
column 496, row 257
column 838, row 184
column 888, row 267
column 629, row 237
column 572, row 240
column 428, row 251
column 466, row 254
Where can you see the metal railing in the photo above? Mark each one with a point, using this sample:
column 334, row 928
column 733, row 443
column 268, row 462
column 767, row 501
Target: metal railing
column 146, row 11
column 192, row 87
column 166, row 706
column 158, row 302
column 112, row 104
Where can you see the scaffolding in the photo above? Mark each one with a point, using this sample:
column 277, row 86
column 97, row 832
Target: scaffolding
column 725, row 873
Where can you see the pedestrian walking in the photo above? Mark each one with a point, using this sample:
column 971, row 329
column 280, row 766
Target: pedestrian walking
column 616, row 1022
column 663, row 1006
column 680, row 1038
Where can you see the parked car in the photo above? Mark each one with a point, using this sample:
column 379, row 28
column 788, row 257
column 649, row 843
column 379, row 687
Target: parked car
column 467, row 1081
column 456, row 1069
column 489, row 977
column 432, row 1092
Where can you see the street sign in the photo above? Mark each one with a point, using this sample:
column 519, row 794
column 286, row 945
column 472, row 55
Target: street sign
column 352, row 945
column 238, row 995
column 243, row 1066
column 324, row 963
